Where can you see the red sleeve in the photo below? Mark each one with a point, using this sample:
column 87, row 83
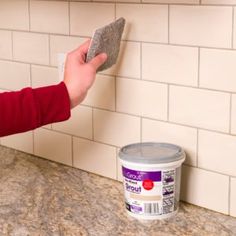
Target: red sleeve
column 31, row 108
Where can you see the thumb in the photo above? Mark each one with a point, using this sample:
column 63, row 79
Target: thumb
column 98, row 60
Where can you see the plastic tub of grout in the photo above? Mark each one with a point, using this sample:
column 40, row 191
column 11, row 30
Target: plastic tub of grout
column 151, row 177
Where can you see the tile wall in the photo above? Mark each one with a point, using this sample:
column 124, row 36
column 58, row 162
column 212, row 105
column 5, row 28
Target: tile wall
column 175, row 81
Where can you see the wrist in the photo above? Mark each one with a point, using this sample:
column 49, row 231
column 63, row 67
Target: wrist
column 75, row 96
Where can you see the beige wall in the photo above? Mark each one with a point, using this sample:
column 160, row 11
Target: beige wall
column 175, row 81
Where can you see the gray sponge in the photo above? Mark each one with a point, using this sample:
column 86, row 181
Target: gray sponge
column 107, row 39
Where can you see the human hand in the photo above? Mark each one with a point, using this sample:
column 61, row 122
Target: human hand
column 79, row 76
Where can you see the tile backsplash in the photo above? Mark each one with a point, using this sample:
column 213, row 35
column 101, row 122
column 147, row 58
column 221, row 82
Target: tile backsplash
column 175, row 81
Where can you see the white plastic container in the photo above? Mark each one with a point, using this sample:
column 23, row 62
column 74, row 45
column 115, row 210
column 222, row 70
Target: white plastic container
column 151, row 177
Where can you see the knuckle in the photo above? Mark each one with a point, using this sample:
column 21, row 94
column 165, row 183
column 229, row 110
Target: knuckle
column 69, row 55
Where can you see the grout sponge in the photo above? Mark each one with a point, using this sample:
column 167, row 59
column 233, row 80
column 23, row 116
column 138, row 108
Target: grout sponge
column 107, row 39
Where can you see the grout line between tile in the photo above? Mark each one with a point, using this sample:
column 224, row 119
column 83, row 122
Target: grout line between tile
column 29, row 12
column 141, row 129
column 168, row 24
column 49, row 50
column 12, row 53
column 232, row 43
column 141, row 63
column 168, row 101
column 199, row 64
column 197, row 147
column 159, row 120
column 230, row 113
column 92, row 124
column 69, row 16
column 28, row 63
column 179, row 85
column 31, row 82
column 209, row 170
column 115, row 84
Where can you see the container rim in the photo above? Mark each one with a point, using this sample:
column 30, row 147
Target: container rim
column 177, row 154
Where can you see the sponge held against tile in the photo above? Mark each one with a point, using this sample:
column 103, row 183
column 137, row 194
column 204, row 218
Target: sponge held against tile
column 107, row 39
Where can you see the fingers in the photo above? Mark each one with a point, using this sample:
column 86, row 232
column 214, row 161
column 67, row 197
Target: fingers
column 97, row 61
column 82, row 50
column 85, row 46
column 80, row 54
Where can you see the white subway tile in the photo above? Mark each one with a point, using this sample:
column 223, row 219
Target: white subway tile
column 148, row 99
column 14, row 14
column 80, row 123
column 44, row 76
column 218, row 69
column 5, row 44
column 63, row 44
column 219, row 2
column 22, row 142
column 170, row 64
column 200, row 108
column 173, row 1
column 95, row 157
column 102, row 93
column 53, row 146
column 234, row 29
column 124, row 1
column 13, row 75
column 144, row 22
column 128, row 62
column 31, row 47
column 116, row 129
column 186, row 137
column 233, row 197
column 233, row 114
column 51, row 17
column 86, row 17
column 199, row 25
column 205, row 189
column 217, row 152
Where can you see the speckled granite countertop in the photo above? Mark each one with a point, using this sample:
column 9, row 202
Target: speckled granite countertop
column 42, row 198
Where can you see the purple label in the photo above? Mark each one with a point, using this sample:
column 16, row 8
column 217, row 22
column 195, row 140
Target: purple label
column 135, row 208
column 141, row 175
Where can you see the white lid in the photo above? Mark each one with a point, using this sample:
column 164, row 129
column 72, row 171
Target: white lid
column 151, row 153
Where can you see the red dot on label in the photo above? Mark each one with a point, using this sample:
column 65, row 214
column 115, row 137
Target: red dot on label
column 148, row 184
